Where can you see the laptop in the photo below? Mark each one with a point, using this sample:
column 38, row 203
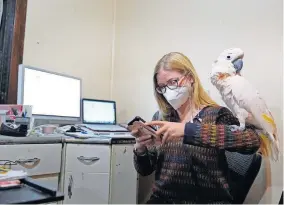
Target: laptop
column 100, row 115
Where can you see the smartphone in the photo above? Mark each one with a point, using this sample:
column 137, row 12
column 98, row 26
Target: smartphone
column 139, row 123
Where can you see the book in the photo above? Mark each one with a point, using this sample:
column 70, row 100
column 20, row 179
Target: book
column 12, row 175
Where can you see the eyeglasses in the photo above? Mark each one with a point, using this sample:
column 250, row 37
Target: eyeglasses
column 171, row 84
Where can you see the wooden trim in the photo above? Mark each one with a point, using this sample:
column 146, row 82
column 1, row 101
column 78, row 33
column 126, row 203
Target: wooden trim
column 45, row 176
column 17, row 48
column 6, row 36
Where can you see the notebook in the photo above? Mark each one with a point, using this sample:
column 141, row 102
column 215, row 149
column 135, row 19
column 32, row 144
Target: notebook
column 100, row 115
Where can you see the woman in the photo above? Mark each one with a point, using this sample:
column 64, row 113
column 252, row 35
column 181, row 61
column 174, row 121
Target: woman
column 190, row 163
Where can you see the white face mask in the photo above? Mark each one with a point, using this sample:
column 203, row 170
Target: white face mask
column 177, row 97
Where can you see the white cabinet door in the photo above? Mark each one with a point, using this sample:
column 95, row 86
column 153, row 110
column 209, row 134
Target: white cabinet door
column 123, row 176
column 86, row 188
column 87, row 174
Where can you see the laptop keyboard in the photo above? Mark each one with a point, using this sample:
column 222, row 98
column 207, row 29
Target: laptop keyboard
column 106, row 127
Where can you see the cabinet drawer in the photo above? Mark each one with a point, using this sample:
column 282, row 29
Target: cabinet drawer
column 35, row 159
column 88, row 158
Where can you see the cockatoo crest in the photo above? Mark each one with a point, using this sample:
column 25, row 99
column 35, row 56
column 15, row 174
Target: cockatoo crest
column 231, row 54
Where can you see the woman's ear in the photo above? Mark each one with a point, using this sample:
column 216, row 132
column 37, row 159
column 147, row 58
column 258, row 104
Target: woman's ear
column 190, row 80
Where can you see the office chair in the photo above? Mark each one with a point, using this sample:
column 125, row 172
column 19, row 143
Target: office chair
column 260, row 184
column 243, row 170
column 281, row 199
column 250, row 177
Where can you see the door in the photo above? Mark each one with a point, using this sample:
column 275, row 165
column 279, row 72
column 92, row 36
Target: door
column 86, row 188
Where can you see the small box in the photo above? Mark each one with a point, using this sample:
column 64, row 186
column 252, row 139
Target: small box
column 19, row 114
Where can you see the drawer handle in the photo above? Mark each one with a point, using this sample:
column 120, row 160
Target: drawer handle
column 7, row 163
column 88, row 160
column 28, row 163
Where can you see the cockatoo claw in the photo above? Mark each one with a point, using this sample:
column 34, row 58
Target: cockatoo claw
column 234, row 128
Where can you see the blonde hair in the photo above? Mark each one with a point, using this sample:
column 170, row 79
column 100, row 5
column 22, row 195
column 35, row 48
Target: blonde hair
column 179, row 62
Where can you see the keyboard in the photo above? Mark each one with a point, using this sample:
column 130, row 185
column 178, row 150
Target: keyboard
column 111, row 128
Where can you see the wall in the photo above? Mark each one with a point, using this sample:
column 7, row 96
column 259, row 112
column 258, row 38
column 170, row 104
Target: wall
column 201, row 29
column 72, row 37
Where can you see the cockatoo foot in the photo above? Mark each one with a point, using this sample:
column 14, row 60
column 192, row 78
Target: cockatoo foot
column 234, row 128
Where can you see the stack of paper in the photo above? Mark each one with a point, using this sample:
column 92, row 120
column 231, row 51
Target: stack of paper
column 13, row 175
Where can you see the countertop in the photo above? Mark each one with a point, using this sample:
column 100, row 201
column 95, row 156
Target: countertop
column 60, row 138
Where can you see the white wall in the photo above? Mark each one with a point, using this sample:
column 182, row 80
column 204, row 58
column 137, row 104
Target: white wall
column 72, row 37
column 201, row 29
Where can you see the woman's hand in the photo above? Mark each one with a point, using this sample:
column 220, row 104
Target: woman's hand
column 141, row 140
column 169, row 130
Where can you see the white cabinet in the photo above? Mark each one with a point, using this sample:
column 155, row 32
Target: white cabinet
column 87, row 174
column 99, row 174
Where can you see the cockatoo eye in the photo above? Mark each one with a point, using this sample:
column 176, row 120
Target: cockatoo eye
column 228, row 57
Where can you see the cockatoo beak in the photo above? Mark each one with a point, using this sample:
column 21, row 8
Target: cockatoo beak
column 238, row 57
column 238, row 62
column 241, row 56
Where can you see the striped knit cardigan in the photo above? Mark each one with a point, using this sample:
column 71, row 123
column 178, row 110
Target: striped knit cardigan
column 194, row 169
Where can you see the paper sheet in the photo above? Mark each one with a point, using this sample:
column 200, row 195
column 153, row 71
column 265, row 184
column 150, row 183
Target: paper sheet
column 13, row 175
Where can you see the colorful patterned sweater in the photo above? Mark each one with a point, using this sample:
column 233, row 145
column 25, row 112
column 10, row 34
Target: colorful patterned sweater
column 194, row 169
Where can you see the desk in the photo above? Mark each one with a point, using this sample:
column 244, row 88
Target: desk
column 94, row 170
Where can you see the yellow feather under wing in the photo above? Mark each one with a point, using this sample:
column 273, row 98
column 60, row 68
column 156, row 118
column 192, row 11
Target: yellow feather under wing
column 265, row 145
column 269, row 143
column 269, row 119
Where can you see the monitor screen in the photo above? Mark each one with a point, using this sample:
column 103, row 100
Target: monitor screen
column 99, row 112
column 51, row 94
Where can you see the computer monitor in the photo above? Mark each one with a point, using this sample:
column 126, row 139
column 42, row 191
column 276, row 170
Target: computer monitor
column 98, row 111
column 55, row 98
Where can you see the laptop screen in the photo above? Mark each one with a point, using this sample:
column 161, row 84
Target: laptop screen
column 98, row 112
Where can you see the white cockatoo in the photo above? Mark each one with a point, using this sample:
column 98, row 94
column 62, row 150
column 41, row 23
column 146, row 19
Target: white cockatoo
column 244, row 100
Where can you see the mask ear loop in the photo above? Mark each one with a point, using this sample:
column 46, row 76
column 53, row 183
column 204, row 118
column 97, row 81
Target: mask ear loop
column 187, row 82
